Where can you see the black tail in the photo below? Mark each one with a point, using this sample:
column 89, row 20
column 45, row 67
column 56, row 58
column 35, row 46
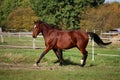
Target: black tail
column 97, row 39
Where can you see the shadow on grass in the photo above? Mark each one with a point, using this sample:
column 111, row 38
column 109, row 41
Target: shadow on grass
column 68, row 62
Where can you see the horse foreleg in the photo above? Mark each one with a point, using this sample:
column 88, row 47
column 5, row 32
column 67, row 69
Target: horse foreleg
column 42, row 55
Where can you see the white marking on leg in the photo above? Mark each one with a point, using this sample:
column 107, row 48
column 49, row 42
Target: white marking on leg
column 35, row 65
column 81, row 61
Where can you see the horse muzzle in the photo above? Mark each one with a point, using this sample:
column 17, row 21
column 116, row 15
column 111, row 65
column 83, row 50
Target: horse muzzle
column 34, row 36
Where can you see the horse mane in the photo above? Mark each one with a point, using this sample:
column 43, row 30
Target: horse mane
column 55, row 26
column 52, row 26
column 39, row 21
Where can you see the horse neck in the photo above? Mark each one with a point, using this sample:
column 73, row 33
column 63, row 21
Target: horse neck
column 45, row 29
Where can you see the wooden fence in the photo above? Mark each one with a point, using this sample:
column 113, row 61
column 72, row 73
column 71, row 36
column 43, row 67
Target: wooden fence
column 19, row 35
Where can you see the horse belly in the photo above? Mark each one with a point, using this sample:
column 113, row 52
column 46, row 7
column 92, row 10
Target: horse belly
column 65, row 44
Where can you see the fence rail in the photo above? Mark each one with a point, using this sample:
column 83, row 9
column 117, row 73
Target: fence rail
column 21, row 38
column 19, row 35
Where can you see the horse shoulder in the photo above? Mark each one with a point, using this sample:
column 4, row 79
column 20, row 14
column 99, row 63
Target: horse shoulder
column 50, row 38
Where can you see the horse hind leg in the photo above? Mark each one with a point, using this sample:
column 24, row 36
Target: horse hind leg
column 59, row 55
column 84, row 58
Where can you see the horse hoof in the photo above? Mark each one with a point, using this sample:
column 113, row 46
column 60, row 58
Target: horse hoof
column 82, row 65
column 36, row 65
column 60, row 64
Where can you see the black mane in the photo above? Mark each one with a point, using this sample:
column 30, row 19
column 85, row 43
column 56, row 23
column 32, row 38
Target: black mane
column 52, row 25
column 55, row 26
column 38, row 21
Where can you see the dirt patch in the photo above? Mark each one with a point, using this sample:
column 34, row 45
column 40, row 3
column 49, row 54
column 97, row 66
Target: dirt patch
column 43, row 66
column 18, row 47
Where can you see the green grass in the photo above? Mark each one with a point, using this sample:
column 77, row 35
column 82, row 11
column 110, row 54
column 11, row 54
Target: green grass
column 87, row 73
column 17, row 64
column 22, row 41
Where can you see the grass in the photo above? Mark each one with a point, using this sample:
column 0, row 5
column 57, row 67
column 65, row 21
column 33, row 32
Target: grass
column 22, row 41
column 63, row 73
column 17, row 64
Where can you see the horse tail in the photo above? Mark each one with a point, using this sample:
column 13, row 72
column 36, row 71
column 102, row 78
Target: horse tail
column 97, row 39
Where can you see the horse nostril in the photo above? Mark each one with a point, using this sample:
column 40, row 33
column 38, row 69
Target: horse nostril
column 34, row 36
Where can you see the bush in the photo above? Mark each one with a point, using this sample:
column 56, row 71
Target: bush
column 103, row 18
column 21, row 18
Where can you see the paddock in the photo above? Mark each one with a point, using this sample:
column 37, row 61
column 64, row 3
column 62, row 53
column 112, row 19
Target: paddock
column 24, row 40
column 17, row 57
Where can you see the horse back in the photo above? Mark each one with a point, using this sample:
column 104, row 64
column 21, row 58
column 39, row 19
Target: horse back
column 69, row 39
column 80, row 34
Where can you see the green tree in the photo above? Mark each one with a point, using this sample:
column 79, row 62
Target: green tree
column 21, row 18
column 66, row 13
column 6, row 7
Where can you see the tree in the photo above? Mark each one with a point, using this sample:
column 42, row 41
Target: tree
column 21, row 18
column 66, row 13
column 102, row 18
column 6, row 7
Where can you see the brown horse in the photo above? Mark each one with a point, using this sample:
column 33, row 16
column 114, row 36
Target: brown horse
column 58, row 40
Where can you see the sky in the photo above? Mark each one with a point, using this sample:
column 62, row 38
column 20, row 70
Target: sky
column 112, row 1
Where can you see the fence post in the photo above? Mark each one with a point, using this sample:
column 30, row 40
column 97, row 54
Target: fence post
column 93, row 49
column 33, row 43
column 19, row 35
column 1, row 35
column 2, row 39
column 93, row 57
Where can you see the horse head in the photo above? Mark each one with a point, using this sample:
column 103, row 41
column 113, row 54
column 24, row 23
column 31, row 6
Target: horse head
column 37, row 28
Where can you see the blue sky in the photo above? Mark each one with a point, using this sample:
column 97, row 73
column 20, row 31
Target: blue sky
column 112, row 1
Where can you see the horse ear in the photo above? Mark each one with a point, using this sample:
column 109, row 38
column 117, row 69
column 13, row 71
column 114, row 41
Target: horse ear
column 39, row 21
column 34, row 22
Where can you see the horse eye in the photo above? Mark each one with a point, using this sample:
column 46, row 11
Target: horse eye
column 34, row 26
